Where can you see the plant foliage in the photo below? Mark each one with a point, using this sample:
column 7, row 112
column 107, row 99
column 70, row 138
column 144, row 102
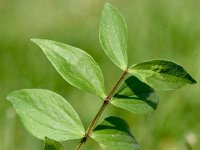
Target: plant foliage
column 75, row 65
column 113, row 36
column 52, row 144
column 114, row 132
column 162, row 74
column 49, row 117
column 135, row 96
column 47, row 114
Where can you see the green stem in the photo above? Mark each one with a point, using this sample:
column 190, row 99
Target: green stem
column 102, row 108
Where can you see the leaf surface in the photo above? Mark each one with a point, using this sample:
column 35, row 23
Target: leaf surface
column 135, row 96
column 51, row 144
column 75, row 65
column 162, row 74
column 115, row 133
column 113, row 36
column 46, row 114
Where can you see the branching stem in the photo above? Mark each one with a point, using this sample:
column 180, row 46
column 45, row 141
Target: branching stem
column 102, row 108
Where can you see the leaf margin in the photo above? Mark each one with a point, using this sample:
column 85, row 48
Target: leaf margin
column 143, row 78
column 117, row 62
column 100, row 92
column 28, row 128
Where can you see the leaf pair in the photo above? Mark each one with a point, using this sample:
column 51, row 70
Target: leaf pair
column 112, row 132
column 138, row 97
column 159, row 74
column 46, row 115
column 134, row 95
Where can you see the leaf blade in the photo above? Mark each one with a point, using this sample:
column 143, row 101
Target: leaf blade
column 115, row 133
column 51, row 144
column 75, row 65
column 162, row 74
column 46, row 114
column 135, row 96
column 113, row 36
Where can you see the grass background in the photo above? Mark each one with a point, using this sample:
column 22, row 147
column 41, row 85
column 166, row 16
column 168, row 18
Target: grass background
column 163, row 29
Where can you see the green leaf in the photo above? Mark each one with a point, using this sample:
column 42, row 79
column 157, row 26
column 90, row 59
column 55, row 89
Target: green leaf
column 74, row 65
column 113, row 36
column 161, row 74
column 115, row 133
column 47, row 114
column 51, row 144
column 135, row 96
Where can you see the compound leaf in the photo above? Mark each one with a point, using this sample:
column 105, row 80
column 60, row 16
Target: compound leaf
column 115, row 133
column 162, row 74
column 135, row 96
column 113, row 36
column 75, row 65
column 51, row 144
column 46, row 114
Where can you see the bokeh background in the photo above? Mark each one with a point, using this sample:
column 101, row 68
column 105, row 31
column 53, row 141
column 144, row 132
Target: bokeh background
column 167, row 29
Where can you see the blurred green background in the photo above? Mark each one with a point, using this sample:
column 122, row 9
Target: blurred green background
column 168, row 29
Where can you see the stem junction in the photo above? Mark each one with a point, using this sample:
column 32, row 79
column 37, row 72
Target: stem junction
column 102, row 108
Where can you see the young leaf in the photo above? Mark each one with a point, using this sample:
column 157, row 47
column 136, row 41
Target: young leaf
column 115, row 133
column 74, row 65
column 113, row 36
column 162, row 74
column 45, row 113
column 135, row 96
column 51, row 144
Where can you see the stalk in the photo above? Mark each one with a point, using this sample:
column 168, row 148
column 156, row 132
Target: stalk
column 99, row 113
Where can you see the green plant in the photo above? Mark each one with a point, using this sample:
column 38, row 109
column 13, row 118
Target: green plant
column 49, row 117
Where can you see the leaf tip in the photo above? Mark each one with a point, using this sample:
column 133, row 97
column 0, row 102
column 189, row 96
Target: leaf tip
column 191, row 79
column 107, row 4
column 35, row 40
column 194, row 81
column 12, row 96
column 9, row 96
